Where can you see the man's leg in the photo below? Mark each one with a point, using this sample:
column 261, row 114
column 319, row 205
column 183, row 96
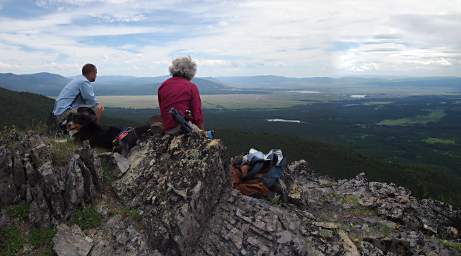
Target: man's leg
column 99, row 109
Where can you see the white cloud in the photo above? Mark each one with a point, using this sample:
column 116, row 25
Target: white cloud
column 285, row 37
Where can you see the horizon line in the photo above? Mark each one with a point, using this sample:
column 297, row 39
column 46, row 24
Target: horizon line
column 244, row 76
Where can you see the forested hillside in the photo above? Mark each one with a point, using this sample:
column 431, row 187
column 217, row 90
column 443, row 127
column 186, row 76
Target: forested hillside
column 23, row 109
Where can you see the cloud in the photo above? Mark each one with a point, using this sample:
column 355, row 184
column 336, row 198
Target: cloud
column 290, row 37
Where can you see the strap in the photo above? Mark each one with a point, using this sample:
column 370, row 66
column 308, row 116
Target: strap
column 121, row 136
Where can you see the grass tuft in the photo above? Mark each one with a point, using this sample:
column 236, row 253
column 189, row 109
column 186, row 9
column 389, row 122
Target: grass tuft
column 276, row 200
column 131, row 213
column 41, row 237
column 87, row 218
column 107, row 177
column 62, row 151
column 11, row 241
column 452, row 245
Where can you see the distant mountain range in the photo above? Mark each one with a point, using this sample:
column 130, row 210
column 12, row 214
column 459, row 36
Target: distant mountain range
column 41, row 83
column 51, row 84
column 281, row 82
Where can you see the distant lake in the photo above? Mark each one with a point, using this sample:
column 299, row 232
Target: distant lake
column 358, row 96
column 283, row 120
column 305, row 92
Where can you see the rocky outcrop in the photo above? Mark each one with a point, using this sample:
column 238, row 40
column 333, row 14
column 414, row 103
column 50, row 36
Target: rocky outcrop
column 181, row 185
column 30, row 173
column 176, row 182
column 178, row 191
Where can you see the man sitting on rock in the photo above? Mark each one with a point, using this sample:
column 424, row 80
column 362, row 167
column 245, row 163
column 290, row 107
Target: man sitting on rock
column 78, row 95
column 179, row 93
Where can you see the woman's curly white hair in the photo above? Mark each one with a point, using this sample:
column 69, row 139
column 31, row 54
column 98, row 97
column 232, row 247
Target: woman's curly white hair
column 183, row 67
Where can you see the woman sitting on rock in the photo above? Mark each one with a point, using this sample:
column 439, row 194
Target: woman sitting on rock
column 180, row 93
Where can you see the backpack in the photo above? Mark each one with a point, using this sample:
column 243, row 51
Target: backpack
column 125, row 141
column 257, row 174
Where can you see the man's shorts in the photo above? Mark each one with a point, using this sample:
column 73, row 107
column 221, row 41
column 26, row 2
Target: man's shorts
column 82, row 108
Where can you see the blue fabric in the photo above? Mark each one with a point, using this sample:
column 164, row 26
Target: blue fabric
column 274, row 173
column 75, row 94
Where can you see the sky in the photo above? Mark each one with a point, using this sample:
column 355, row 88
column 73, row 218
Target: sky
column 299, row 38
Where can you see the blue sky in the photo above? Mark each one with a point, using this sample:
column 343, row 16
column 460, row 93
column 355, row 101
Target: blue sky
column 233, row 37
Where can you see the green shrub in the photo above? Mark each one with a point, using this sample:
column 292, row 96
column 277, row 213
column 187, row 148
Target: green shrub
column 87, row 218
column 39, row 237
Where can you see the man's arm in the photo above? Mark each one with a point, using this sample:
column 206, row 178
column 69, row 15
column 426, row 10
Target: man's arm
column 87, row 93
column 196, row 105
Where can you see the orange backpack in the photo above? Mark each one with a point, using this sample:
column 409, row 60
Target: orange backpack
column 251, row 187
column 256, row 174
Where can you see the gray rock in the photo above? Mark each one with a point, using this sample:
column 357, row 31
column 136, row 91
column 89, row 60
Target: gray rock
column 177, row 196
column 70, row 241
column 120, row 236
column 28, row 174
column 180, row 187
column 122, row 163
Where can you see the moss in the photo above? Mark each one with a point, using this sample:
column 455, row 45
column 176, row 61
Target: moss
column 19, row 211
column 62, row 151
column 87, row 218
column 11, row 241
column 452, row 245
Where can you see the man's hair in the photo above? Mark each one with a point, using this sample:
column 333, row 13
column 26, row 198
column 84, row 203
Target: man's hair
column 88, row 68
column 183, row 67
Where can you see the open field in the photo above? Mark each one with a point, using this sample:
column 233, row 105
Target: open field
column 433, row 141
column 277, row 99
column 219, row 101
column 432, row 117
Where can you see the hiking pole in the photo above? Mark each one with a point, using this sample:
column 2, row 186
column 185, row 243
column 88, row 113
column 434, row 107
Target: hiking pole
column 185, row 126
